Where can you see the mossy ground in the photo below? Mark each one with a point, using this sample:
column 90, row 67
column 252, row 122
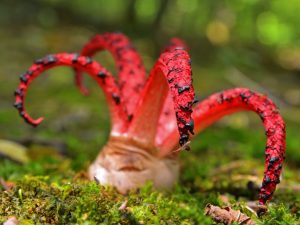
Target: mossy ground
column 53, row 190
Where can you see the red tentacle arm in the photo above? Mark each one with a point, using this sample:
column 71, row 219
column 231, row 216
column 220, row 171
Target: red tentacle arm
column 224, row 103
column 172, row 72
column 104, row 79
column 167, row 118
column 175, row 43
column 131, row 71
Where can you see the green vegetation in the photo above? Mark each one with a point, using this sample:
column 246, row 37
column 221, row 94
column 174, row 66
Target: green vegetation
column 49, row 190
column 34, row 201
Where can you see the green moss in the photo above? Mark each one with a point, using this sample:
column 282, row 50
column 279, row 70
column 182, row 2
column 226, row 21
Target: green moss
column 64, row 200
column 39, row 201
column 49, row 191
column 279, row 214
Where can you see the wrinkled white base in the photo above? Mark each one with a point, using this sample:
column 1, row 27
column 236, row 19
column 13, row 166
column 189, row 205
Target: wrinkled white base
column 128, row 167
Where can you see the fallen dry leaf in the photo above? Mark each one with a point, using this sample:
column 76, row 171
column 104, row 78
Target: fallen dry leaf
column 7, row 185
column 227, row 215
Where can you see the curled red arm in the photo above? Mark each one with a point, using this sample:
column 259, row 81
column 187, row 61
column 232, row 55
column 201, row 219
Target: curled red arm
column 172, row 72
column 104, row 79
column 131, row 71
column 227, row 102
column 167, row 118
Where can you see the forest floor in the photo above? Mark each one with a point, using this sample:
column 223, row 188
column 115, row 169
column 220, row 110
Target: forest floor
column 224, row 167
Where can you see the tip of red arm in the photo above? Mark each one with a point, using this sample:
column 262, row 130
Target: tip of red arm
column 79, row 83
column 36, row 122
column 84, row 91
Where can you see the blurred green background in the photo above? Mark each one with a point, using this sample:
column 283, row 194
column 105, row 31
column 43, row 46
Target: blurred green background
column 247, row 43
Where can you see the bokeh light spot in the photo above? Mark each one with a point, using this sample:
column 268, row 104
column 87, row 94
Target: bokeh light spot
column 218, row 33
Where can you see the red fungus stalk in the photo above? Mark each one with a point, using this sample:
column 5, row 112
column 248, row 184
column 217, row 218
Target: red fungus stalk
column 152, row 118
column 130, row 67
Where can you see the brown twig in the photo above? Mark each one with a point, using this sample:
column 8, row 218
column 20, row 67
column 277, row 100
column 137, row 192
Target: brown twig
column 123, row 206
column 185, row 147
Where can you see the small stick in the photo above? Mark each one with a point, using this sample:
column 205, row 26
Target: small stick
column 123, row 206
column 186, row 147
